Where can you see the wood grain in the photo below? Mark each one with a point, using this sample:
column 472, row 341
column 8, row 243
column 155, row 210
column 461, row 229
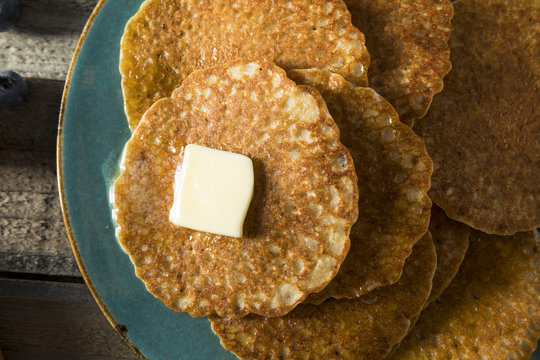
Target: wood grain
column 46, row 320
column 41, row 44
column 30, row 217
column 33, row 238
column 34, row 124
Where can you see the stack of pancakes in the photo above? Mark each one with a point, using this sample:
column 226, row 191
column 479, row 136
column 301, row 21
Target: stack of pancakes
column 343, row 256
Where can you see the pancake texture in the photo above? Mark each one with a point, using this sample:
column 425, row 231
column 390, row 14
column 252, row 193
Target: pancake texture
column 408, row 44
column 483, row 130
column 393, row 171
column 296, row 233
column 361, row 328
column 490, row 310
column 451, row 240
column 168, row 39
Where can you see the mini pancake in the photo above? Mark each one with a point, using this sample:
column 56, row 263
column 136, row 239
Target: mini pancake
column 168, row 39
column 408, row 44
column 451, row 240
column 361, row 328
column 393, row 171
column 296, row 233
column 482, row 131
column 490, row 310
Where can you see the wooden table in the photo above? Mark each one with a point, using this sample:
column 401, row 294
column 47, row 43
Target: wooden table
column 46, row 310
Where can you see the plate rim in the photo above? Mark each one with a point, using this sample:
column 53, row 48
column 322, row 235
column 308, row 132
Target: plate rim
column 120, row 330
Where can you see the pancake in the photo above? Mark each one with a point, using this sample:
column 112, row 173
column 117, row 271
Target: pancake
column 168, row 39
column 408, row 44
column 361, row 328
column 393, row 171
column 451, row 240
column 490, row 310
column 296, row 233
column 483, row 130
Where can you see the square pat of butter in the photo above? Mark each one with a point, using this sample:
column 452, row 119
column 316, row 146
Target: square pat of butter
column 212, row 191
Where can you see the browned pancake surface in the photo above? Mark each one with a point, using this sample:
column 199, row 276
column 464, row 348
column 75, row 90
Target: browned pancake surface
column 483, row 130
column 361, row 328
column 490, row 310
column 168, row 39
column 305, row 196
column 451, row 240
column 393, row 171
column 408, row 44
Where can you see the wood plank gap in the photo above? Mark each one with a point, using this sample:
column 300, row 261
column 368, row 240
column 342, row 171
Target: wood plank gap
column 42, row 277
column 26, row 263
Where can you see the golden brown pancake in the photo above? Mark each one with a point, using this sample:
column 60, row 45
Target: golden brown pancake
column 393, row 171
column 451, row 240
column 483, row 130
column 408, row 44
column 296, row 233
column 168, row 39
column 490, row 310
column 361, row 328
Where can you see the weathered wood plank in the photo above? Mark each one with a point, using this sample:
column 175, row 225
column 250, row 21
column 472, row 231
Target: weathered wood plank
column 25, row 263
column 35, row 246
column 32, row 234
column 34, row 124
column 29, row 206
column 55, row 16
column 31, row 171
column 41, row 44
column 33, row 238
column 45, row 320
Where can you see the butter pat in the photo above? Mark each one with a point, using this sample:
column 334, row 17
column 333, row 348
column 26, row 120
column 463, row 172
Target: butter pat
column 212, row 191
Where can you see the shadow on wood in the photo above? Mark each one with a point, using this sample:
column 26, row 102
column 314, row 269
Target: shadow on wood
column 49, row 16
column 34, row 124
column 44, row 320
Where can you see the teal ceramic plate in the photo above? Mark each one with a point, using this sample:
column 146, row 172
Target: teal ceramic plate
column 93, row 130
column 92, row 134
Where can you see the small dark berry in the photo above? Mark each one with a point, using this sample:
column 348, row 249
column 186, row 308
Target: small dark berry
column 9, row 13
column 13, row 90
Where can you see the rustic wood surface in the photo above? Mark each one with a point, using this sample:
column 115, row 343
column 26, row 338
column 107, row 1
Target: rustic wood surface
column 39, row 48
column 57, row 318
column 42, row 42
column 33, row 237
